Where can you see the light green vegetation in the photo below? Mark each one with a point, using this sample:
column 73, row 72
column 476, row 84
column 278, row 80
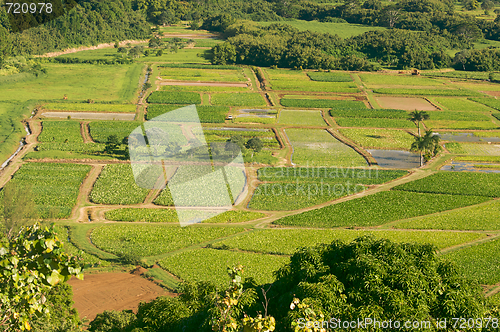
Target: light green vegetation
column 323, row 103
column 238, row 99
column 458, row 116
column 175, row 88
column 287, row 241
column 330, row 76
column 480, row 87
column 164, row 198
column 429, row 92
column 457, row 74
column 207, row 42
column 181, row 29
column 211, row 265
column 69, row 155
column 69, row 248
column 254, row 119
column 308, row 118
column 450, row 124
column 207, row 114
column 296, row 188
column 11, row 129
column 491, row 102
column 374, row 123
column 369, row 113
column 343, row 30
column 462, row 104
column 166, row 97
column 211, row 75
column 79, row 82
column 150, row 240
column 100, row 130
column 317, row 147
column 185, row 55
column 379, row 208
column 169, row 215
column 456, row 183
column 487, row 159
column 116, row 185
column 480, row 262
column 55, row 186
column 267, row 137
column 481, row 217
column 86, row 107
column 408, row 80
column 61, row 132
column 379, row 138
column 292, row 85
column 473, row 149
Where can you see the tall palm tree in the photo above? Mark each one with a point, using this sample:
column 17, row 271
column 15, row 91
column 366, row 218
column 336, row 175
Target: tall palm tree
column 427, row 145
column 418, row 116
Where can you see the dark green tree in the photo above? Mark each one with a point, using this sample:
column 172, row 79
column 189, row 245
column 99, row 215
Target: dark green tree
column 112, row 144
column 255, row 144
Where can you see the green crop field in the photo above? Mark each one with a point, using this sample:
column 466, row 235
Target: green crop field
column 287, row 241
column 491, row 102
column 473, row 149
column 308, row 118
column 61, row 132
column 207, row 114
column 205, row 88
column 317, row 147
column 378, row 209
column 374, row 123
column 324, row 103
column 456, row 183
column 464, row 105
column 185, row 55
column 207, row 42
column 150, row 240
column 55, row 187
column 408, row 80
column 167, row 97
column 268, row 138
column 379, row 138
column 330, row 77
column 487, row 159
column 480, row 262
column 369, row 113
column 466, row 125
column 457, row 74
column 116, row 185
column 209, row 75
column 314, row 86
column 86, row 107
column 100, row 130
column 238, row 99
column 481, row 217
column 211, row 264
column 458, row 116
column 427, row 92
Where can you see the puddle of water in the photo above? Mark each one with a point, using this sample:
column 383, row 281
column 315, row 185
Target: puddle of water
column 467, row 137
column 396, row 158
column 468, row 167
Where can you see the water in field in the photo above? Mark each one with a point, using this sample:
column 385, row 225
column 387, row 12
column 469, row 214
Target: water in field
column 395, row 158
column 467, row 137
column 470, row 167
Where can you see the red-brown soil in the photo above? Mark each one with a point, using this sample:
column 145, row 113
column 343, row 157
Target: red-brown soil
column 112, row 291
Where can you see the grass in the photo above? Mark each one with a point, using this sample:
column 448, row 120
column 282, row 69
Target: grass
column 379, row 138
column 238, row 99
column 207, row 42
column 61, row 131
column 287, row 241
column 480, row 262
column 212, row 75
column 408, row 80
column 209, row 265
column 11, row 129
column 480, row 217
column 379, row 209
column 185, row 55
column 308, row 118
column 477, row 149
column 456, row 183
column 374, row 123
column 86, row 107
column 317, row 147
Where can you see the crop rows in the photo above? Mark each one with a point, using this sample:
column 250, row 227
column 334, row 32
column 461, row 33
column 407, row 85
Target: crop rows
column 329, row 77
column 214, row 75
column 61, row 132
column 366, row 113
column 425, row 92
column 491, row 102
column 150, row 240
column 86, row 107
column 287, row 241
column 324, row 103
column 374, row 123
column 55, row 187
column 100, row 130
column 116, row 185
column 207, row 114
column 210, row 265
column 465, row 105
column 379, row 208
column 238, row 99
column 88, row 148
column 312, row 86
column 456, row 183
column 470, row 125
column 167, row 97
column 379, row 138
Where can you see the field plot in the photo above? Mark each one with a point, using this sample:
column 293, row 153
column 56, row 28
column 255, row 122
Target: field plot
column 489, row 88
column 86, row 107
column 317, row 147
column 379, row 138
column 330, row 77
column 369, row 113
column 481, row 217
column 314, row 86
column 116, row 185
column 324, row 103
column 167, row 97
column 308, row 118
column 474, row 149
column 456, row 183
column 55, row 187
column 203, row 87
column 457, row 74
column 207, row 114
column 466, row 125
column 427, row 92
column 223, row 134
column 491, row 102
column 287, row 241
column 409, row 80
column 374, row 123
column 207, row 42
column 211, row 265
column 238, row 99
column 378, row 209
column 150, row 240
column 403, row 103
column 100, row 130
column 60, row 132
column 464, row 105
column 185, row 55
column 480, row 262
column 209, row 75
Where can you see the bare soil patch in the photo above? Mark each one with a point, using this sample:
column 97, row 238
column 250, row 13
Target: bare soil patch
column 403, row 103
column 492, row 93
column 112, row 291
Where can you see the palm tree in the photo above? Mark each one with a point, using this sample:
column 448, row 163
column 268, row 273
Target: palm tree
column 428, row 145
column 418, row 116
